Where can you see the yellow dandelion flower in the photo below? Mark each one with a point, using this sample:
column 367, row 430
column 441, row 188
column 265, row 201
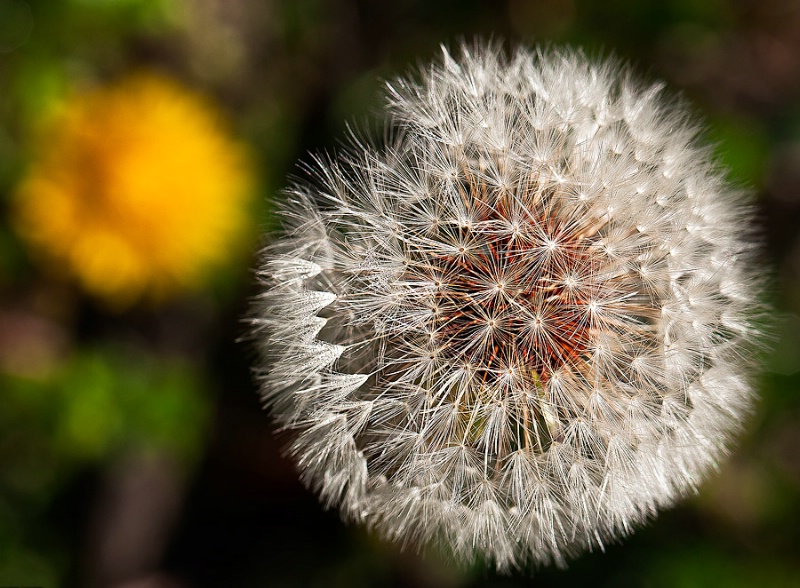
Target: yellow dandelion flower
column 136, row 190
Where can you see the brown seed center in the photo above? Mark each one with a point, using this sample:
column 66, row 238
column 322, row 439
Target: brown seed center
column 513, row 304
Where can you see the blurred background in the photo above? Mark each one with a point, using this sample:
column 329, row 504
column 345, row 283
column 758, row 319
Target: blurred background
column 143, row 144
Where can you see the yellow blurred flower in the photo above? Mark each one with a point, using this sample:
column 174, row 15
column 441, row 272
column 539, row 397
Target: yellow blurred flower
column 136, row 190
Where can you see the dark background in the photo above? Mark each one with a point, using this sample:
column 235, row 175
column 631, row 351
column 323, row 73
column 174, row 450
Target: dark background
column 195, row 492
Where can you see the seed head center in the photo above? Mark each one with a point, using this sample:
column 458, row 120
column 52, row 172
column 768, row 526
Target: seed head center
column 531, row 316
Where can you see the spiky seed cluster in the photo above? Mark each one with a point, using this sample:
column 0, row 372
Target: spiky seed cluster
column 522, row 326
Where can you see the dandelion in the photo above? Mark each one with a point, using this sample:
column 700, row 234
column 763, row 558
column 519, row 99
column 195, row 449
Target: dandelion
column 136, row 190
column 523, row 325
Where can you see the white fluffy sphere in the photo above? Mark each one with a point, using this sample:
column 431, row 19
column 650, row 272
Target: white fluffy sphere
column 521, row 326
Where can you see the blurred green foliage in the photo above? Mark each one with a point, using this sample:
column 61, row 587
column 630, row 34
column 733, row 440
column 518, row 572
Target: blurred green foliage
column 86, row 411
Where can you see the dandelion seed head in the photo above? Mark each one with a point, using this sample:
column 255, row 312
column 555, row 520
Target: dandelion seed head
column 523, row 325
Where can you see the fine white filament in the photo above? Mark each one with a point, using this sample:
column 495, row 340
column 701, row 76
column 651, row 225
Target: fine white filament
column 523, row 324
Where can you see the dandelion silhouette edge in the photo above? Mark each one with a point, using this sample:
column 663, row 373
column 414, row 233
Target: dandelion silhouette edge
column 521, row 326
